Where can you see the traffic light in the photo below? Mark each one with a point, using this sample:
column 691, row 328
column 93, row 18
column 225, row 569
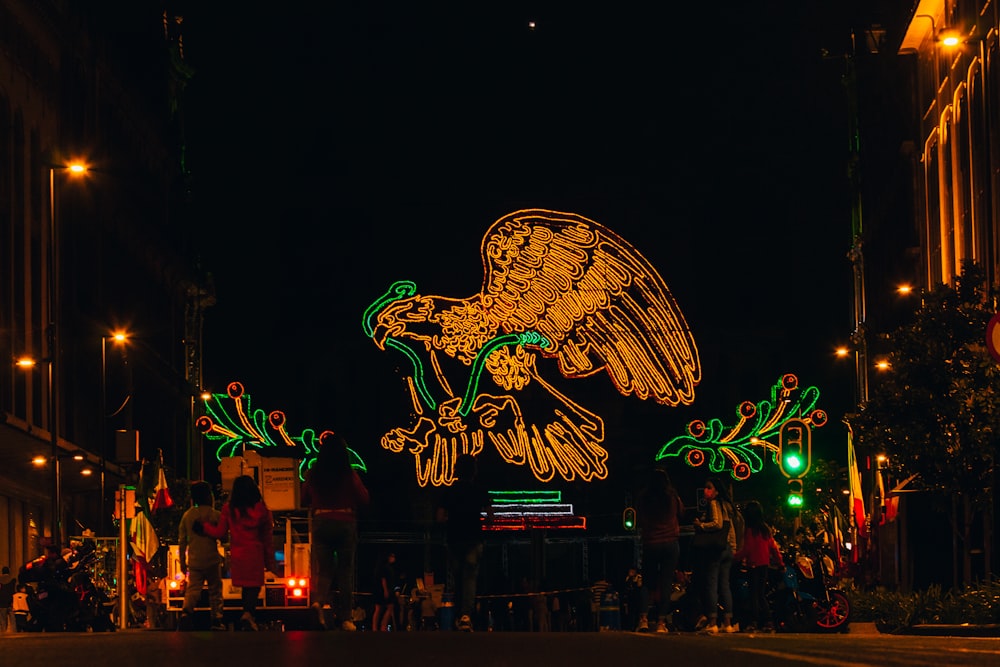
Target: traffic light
column 795, row 494
column 628, row 519
column 795, row 448
column 792, row 460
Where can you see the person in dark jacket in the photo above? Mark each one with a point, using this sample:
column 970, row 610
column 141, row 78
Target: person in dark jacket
column 251, row 542
column 334, row 493
column 462, row 507
column 658, row 512
column 8, row 585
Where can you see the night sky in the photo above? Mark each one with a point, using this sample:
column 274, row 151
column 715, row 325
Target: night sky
column 336, row 150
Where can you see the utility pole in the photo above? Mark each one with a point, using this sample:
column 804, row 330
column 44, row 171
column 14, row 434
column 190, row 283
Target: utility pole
column 859, row 336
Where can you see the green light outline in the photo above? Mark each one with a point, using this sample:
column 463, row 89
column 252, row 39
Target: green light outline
column 741, row 448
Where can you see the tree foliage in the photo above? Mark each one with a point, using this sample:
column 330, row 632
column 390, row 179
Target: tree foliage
column 936, row 412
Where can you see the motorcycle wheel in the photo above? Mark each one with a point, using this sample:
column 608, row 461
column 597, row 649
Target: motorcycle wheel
column 833, row 614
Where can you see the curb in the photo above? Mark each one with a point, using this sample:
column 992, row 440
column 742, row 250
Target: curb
column 963, row 630
column 863, row 629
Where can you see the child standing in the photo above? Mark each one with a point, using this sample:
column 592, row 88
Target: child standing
column 21, row 608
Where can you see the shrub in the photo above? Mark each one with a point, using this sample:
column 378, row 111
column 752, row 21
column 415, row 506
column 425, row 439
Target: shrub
column 895, row 612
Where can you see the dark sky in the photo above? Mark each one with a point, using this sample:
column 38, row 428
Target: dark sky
column 336, row 150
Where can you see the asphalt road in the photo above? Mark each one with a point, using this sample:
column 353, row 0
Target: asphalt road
column 618, row 649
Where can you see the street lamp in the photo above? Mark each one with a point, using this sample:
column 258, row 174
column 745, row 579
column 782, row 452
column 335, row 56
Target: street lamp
column 119, row 337
column 76, row 168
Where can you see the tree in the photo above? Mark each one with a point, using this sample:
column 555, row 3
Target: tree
column 936, row 412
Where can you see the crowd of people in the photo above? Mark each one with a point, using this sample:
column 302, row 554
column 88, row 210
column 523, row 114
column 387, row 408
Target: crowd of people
column 724, row 536
column 335, row 494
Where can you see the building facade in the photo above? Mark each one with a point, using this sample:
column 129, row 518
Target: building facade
column 950, row 52
column 84, row 257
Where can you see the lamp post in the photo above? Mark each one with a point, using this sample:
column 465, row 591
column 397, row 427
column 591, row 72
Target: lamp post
column 53, row 340
column 118, row 337
column 52, row 335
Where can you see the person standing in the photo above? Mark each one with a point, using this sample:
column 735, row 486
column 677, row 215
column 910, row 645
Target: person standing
column 199, row 556
column 760, row 550
column 334, row 493
column 21, row 606
column 8, row 585
column 461, row 510
column 250, row 525
column 713, row 566
column 384, row 594
column 658, row 512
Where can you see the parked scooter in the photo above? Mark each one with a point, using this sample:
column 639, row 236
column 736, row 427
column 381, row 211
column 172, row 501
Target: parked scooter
column 65, row 597
column 803, row 598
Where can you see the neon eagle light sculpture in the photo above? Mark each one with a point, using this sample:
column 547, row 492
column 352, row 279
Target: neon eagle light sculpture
column 241, row 427
column 733, row 448
column 557, row 286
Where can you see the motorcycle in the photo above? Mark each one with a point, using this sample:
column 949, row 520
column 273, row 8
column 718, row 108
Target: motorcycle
column 803, row 597
column 64, row 596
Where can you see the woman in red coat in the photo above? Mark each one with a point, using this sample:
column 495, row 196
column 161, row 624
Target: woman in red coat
column 250, row 526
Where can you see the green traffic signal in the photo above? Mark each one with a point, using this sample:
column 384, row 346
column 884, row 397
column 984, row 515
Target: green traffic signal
column 793, row 463
column 794, row 499
column 794, row 455
column 628, row 519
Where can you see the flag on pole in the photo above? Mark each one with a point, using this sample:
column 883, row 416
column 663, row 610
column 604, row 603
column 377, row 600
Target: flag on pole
column 162, row 499
column 857, row 499
column 145, row 544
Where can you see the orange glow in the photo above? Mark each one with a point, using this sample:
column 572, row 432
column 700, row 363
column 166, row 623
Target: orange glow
column 904, row 289
column 842, row 351
column 40, row 460
column 950, row 39
column 25, row 362
column 882, row 365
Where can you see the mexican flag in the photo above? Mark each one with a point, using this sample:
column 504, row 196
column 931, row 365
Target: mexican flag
column 857, row 499
column 161, row 499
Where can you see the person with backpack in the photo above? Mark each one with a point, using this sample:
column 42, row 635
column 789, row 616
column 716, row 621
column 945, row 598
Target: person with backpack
column 713, row 564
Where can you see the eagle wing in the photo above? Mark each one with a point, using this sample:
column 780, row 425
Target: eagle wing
column 597, row 303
